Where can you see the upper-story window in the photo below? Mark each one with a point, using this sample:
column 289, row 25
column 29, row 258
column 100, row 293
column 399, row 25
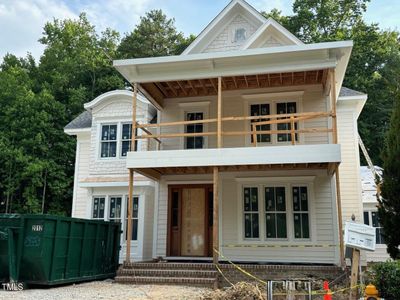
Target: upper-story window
column 240, row 35
column 261, row 110
column 108, row 140
column 116, row 138
column 371, row 218
column 285, row 108
column 194, row 142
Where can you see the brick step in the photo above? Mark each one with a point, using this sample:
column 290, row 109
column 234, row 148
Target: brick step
column 169, row 266
column 182, row 273
column 204, row 282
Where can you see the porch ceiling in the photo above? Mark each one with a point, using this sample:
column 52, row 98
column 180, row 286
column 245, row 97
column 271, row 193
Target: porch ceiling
column 156, row 173
column 209, row 86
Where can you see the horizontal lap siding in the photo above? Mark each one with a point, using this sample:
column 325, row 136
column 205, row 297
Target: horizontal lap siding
column 350, row 184
column 323, row 222
column 82, row 169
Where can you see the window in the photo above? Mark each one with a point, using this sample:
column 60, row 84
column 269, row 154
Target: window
column 275, row 212
column 285, row 108
column 194, row 142
column 261, row 110
column 240, row 35
column 371, row 218
column 98, row 207
column 126, row 139
column 115, row 208
column 251, row 226
column 108, row 140
column 300, row 212
column 135, row 218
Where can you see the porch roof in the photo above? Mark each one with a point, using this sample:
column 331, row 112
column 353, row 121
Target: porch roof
column 150, row 72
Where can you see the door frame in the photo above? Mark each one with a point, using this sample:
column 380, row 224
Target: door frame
column 171, row 187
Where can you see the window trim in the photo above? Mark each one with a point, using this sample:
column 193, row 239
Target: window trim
column 288, row 182
column 105, row 206
column 119, row 124
column 101, row 141
column 273, row 99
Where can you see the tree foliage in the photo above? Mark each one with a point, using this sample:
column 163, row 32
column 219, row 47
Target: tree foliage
column 389, row 208
column 369, row 70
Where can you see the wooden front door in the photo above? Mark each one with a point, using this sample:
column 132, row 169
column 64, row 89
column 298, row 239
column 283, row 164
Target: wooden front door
column 189, row 227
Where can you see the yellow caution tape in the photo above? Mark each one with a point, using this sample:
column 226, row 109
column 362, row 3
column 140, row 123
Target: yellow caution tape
column 319, row 292
column 278, row 246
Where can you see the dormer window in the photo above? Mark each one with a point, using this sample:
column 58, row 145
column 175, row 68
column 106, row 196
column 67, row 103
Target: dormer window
column 240, row 35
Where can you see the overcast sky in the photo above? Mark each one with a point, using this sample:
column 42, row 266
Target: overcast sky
column 21, row 21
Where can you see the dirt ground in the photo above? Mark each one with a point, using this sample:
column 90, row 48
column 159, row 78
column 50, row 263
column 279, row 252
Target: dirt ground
column 107, row 290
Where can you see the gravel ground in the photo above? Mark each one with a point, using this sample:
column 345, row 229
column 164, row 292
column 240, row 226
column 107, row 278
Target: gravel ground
column 107, row 290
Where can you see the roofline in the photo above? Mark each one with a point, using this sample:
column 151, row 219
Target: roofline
column 110, row 94
column 230, row 54
column 218, row 17
column 278, row 26
column 76, row 131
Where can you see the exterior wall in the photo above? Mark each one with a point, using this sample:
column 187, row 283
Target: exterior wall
column 224, row 41
column 322, row 214
column 349, row 169
column 79, row 205
column 113, row 112
column 236, row 103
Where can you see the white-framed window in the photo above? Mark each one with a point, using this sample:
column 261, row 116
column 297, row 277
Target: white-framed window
column 275, row 212
column 261, row 109
column 251, row 213
column 285, row 108
column 115, row 211
column 240, row 34
column 194, row 142
column 108, row 141
column 371, row 218
column 301, row 219
column 135, row 217
column 98, row 207
column 115, row 140
column 279, row 209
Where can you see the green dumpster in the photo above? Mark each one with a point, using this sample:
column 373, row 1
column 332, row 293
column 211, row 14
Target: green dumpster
column 50, row 250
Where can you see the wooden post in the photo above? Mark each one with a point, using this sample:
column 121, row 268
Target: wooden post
column 219, row 116
column 292, row 134
column 215, row 216
column 355, row 264
column 254, row 134
column 337, row 177
column 131, row 178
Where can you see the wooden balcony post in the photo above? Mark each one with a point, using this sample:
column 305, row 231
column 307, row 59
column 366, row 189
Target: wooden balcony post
column 131, row 177
column 215, row 216
column 292, row 134
column 337, row 177
column 219, row 116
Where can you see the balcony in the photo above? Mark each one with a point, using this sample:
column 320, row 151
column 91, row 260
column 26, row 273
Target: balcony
column 294, row 154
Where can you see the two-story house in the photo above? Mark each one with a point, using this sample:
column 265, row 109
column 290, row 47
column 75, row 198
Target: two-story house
column 257, row 157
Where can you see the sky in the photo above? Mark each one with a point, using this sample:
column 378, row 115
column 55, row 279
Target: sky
column 22, row 21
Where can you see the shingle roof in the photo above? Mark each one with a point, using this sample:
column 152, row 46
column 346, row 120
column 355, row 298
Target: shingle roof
column 84, row 120
column 346, row 92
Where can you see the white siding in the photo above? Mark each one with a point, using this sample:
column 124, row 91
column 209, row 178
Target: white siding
column 235, row 103
column 350, row 182
column 224, row 41
column 82, row 171
column 322, row 213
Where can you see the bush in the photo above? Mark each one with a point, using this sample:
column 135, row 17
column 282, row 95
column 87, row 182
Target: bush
column 386, row 278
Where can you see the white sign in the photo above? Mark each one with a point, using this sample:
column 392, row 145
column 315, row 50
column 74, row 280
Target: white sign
column 359, row 236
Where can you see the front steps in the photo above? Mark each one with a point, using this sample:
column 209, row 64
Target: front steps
column 191, row 274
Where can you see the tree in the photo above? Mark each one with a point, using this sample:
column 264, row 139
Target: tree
column 155, row 35
column 389, row 203
column 330, row 20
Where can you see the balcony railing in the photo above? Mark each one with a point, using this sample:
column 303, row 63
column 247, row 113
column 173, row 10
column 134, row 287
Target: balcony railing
column 292, row 119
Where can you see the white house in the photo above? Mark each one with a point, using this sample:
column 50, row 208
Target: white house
column 258, row 160
column 370, row 217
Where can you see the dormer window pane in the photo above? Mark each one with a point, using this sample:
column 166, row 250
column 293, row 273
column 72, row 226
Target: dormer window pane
column 240, row 35
column 126, row 139
column 108, row 141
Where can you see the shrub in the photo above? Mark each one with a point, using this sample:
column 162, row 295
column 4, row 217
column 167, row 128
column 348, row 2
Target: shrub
column 386, row 278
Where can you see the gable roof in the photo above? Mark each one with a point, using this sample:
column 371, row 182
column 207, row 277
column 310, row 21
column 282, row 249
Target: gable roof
column 84, row 120
column 271, row 25
column 346, row 92
column 212, row 28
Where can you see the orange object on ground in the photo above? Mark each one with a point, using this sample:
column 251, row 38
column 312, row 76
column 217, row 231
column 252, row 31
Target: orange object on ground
column 328, row 295
column 371, row 292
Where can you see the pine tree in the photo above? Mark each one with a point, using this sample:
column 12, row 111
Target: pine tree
column 389, row 208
